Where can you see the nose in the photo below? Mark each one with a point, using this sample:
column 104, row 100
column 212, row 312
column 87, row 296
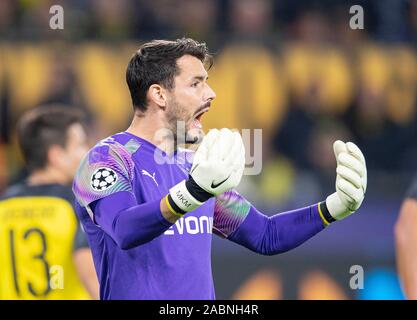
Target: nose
column 210, row 94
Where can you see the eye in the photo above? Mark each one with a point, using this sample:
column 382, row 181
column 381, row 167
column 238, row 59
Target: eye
column 195, row 84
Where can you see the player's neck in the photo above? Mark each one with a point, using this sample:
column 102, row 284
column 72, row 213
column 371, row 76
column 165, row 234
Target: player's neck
column 47, row 175
column 151, row 127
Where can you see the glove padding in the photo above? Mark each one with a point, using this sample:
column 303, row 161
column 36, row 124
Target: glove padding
column 351, row 180
column 219, row 161
column 218, row 166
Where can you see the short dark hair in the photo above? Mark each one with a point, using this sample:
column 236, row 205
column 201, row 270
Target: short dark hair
column 156, row 63
column 41, row 128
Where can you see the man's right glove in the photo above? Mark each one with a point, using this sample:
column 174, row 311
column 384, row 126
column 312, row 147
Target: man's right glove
column 218, row 166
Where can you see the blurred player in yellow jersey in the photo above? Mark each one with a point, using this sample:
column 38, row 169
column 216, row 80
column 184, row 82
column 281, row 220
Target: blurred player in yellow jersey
column 44, row 253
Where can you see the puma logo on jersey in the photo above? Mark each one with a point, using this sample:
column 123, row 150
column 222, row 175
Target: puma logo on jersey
column 152, row 176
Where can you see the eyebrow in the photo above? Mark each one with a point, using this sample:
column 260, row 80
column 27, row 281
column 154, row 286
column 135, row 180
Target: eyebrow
column 200, row 78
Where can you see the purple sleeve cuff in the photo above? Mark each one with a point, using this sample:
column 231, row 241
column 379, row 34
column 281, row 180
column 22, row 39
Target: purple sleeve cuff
column 279, row 233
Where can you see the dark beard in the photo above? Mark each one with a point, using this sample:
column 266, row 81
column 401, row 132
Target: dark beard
column 184, row 136
column 178, row 127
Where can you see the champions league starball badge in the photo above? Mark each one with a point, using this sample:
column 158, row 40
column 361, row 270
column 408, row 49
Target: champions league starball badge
column 103, row 178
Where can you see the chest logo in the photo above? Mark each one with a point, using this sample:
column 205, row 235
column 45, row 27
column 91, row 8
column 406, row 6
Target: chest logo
column 152, row 176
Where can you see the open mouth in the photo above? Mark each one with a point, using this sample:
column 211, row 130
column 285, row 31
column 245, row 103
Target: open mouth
column 197, row 118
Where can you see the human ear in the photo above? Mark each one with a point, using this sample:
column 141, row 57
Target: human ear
column 157, row 95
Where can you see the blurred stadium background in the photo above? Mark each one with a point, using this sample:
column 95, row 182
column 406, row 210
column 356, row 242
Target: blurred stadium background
column 293, row 68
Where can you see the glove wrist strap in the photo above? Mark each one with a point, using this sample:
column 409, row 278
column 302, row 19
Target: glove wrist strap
column 324, row 213
column 181, row 200
column 196, row 191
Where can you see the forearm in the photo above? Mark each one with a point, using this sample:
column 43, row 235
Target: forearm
column 406, row 265
column 406, row 246
column 279, row 233
column 85, row 267
column 130, row 224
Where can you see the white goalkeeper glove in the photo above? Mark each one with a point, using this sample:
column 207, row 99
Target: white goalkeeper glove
column 351, row 181
column 218, row 166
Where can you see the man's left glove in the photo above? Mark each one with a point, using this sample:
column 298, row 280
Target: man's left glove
column 351, row 181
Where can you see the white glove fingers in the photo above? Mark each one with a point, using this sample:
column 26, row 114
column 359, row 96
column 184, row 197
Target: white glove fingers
column 345, row 199
column 349, row 189
column 351, row 162
column 242, row 151
column 364, row 183
column 349, row 175
column 223, row 145
column 242, row 156
column 209, row 141
column 351, row 180
column 240, row 161
column 237, row 160
column 210, row 137
column 339, row 147
column 236, row 176
column 219, row 162
column 241, row 164
column 202, row 152
column 356, row 152
column 235, row 153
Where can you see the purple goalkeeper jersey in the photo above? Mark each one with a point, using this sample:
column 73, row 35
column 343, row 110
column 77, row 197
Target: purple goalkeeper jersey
column 176, row 262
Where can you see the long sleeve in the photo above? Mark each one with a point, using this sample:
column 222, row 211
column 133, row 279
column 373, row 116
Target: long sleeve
column 103, row 186
column 128, row 223
column 239, row 221
column 279, row 233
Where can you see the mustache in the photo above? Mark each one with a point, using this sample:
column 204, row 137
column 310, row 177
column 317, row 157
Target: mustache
column 204, row 106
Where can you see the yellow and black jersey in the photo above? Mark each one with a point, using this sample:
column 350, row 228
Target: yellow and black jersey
column 39, row 232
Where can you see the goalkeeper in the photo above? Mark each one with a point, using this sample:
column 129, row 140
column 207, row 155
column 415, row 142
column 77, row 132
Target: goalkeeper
column 150, row 222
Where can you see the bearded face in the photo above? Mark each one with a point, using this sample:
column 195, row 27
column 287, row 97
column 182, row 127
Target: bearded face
column 185, row 126
column 187, row 102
